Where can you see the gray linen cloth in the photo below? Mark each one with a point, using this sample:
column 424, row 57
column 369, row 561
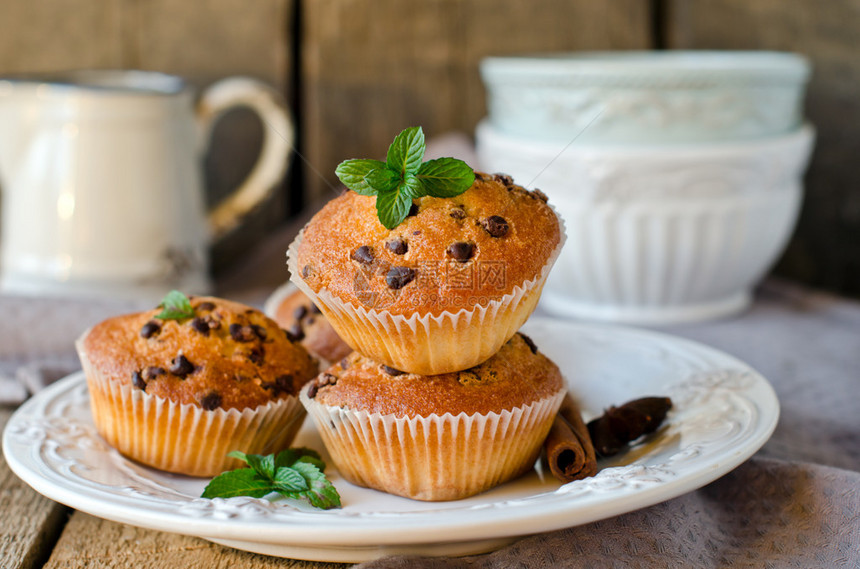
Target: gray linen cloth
column 796, row 503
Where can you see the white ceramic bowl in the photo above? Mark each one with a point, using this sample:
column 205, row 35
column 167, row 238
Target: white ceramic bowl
column 662, row 234
column 650, row 97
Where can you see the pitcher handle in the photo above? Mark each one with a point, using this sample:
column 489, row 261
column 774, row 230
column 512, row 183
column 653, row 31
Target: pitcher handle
column 271, row 164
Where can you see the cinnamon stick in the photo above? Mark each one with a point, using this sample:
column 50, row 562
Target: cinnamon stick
column 568, row 448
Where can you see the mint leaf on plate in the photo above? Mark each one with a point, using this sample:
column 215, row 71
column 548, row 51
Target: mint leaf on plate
column 293, row 473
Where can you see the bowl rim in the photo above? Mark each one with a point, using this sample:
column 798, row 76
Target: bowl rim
column 803, row 136
column 751, row 65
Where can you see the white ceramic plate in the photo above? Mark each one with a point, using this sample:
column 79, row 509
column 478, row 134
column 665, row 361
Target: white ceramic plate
column 724, row 411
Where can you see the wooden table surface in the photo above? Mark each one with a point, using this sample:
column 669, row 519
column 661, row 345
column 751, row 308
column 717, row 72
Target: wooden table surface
column 37, row 532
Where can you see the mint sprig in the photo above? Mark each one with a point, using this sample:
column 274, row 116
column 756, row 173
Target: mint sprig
column 404, row 176
column 294, row 473
column 175, row 306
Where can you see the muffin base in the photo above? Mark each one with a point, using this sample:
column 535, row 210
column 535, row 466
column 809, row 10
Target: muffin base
column 185, row 439
column 433, row 458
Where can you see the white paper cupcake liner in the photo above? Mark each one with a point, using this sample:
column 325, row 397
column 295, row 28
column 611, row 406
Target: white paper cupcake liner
column 429, row 344
column 184, row 438
column 434, row 458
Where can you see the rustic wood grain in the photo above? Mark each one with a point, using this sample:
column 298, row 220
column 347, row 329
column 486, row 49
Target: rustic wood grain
column 95, row 543
column 372, row 68
column 49, row 35
column 30, row 523
column 825, row 250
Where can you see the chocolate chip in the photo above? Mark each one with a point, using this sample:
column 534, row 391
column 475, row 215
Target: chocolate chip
column 529, row 342
column 363, row 255
column 397, row 246
column 260, row 331
column 256, row 355
column 458, row 213
column 495, row 225
column 211, row 401
column 504, row 178
column 399, row 277
column 296, row 333
column 315, row 309
column 137, row 380
column 200, row 325
column 461, row 251
column 391, row 370
column 322, row 380
column 152, row 372
column 213, row 321
column 242, row 333
column 413, row 210
column 480, row 176
column 180, row 366
column 344, row 363
column 540, row 195
column 312, row 390
column 300, row 312
column 306, row 271
column 282, row 384
column 150, row 329
column 327, row 379
column 206, row 306
column 416, row 232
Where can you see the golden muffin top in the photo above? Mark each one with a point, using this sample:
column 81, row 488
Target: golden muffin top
column 517, row 375
column 228, row 355
column 448, row 254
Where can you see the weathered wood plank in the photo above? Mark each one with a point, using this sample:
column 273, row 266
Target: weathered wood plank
column 94, row 543
column 55, row 34
column 372, row 68
column 210, row 39
column 825, row 250
column 30, row 522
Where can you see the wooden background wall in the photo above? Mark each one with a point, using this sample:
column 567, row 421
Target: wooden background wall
column 357, row 71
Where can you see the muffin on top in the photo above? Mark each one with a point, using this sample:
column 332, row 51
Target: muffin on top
column 180, row 393
column 441, row 437
column 466, row 270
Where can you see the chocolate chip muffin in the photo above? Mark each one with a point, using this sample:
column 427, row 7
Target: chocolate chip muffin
column 441, row 437
column 295, row 313
column 443, row 290
column 179, row 394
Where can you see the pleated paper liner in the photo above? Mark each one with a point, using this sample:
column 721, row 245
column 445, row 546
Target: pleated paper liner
column 433, row 343
column 185, row 438
column 433, row 458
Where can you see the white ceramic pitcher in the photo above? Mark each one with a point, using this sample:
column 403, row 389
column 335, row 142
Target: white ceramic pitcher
column 101, row 180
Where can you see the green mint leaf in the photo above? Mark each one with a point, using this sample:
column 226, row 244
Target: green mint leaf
column 321, row 492
column 238, row 454
column 445, row 177
column 240, row 482
column 315, row 461
column 290, row 480
column 263, row 465
column 352, row 174
column 383, row 179
column 289, row 456
column 407, row 151
column 392, row 207
column 175, row 306
column 295, row 473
